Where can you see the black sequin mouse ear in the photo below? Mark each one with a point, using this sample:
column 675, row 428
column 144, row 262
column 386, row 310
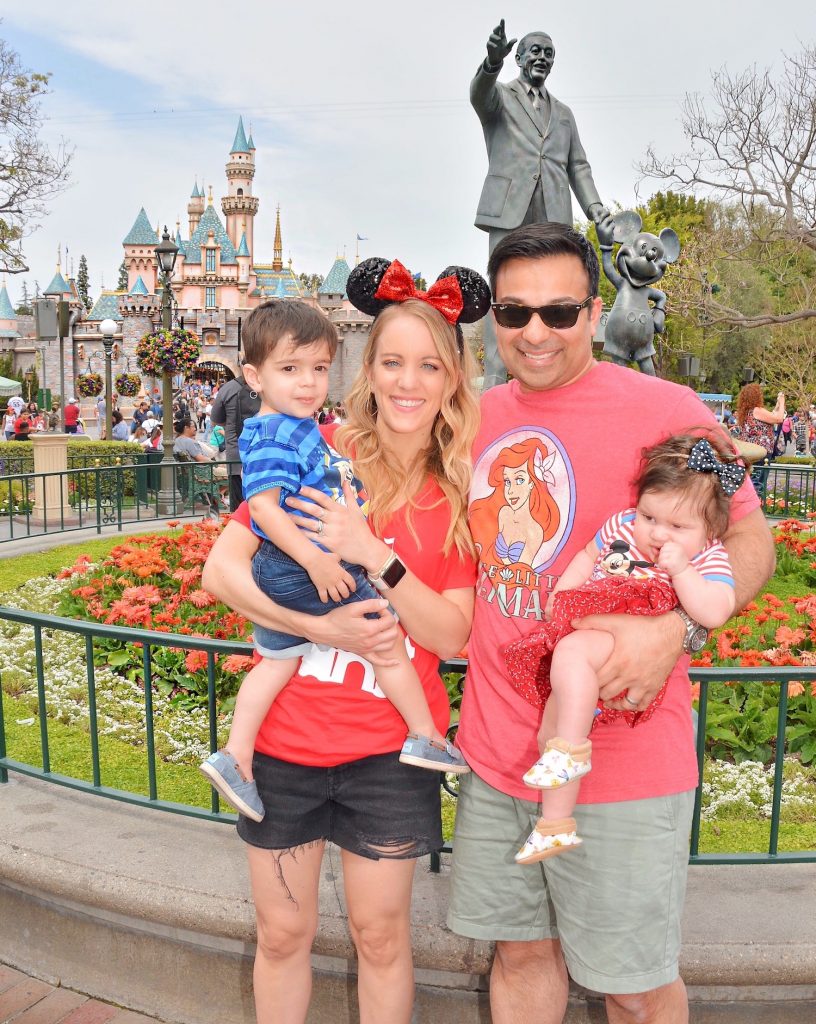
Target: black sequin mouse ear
column 363, row 283
column 475, row 293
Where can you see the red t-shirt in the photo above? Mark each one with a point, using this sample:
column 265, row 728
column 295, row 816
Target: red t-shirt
column 71, row 415
column 549, row 469
column 332, row 711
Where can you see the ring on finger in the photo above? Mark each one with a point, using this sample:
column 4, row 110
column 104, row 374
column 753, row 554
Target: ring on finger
column 319, row 527
column 630, row 702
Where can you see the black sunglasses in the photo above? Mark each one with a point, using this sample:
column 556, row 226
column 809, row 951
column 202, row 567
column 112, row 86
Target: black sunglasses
column 559, row 316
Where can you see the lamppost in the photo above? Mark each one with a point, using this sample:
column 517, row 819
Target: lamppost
column 166, row 252
column 107, row 329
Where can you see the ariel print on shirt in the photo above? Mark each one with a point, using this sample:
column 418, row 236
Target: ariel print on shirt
column 521, row 512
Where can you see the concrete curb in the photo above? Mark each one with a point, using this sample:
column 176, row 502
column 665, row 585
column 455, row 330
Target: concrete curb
column 153, row 911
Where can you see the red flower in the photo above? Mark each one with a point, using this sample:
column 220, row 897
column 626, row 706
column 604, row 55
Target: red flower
column 237, row 663
column 200, row 598
column 196, row 660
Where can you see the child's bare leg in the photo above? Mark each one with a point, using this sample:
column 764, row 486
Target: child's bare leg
column 402, row 687
column 257, row 694
column 574, row 680
column 547, row 729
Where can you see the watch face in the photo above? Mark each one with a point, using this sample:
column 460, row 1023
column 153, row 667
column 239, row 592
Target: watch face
column 394, row 573
column 697, row 640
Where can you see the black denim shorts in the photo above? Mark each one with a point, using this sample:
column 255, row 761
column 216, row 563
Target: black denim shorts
column 374, row 807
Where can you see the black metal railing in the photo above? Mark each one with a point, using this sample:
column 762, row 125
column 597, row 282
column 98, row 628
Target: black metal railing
column 156, row 641
column 97, row 496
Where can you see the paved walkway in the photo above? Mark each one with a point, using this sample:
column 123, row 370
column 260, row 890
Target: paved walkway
column 25, row 1000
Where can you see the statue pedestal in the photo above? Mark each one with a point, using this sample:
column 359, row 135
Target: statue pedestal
column 51, row 506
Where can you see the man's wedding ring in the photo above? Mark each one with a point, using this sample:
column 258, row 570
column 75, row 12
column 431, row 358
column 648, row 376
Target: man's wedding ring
column 628, row 699
column 319, row 527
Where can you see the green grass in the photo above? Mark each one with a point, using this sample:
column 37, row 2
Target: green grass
column 14, row 572
column 122, row 766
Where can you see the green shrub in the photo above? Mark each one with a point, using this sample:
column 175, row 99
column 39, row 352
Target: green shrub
column 18, row 457
column 794, row 460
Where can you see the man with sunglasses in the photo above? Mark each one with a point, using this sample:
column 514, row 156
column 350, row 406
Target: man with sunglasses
column 534, row 151
column 609, row 911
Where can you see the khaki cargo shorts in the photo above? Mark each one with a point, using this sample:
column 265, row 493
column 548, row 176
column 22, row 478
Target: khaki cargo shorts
column 614, row 903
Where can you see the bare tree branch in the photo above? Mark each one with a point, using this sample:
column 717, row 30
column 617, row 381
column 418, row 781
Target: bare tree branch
column 30, row 174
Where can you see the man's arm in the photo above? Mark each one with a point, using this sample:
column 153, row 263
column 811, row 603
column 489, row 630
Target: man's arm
column 646, row 649
column 218, row 413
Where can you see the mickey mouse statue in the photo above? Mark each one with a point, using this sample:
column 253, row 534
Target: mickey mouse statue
column 641, row 262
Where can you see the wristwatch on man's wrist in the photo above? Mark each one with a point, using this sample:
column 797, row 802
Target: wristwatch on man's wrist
column 696, row 635
column 389, row 575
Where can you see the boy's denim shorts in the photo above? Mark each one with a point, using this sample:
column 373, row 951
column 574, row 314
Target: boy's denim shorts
column 289, row 585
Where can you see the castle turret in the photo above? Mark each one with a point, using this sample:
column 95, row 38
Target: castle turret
column 239, row 206
column 277, row 253
column 140, row 252
column 195, row 208
column 8, row 318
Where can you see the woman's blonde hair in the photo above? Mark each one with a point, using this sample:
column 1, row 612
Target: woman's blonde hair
column 447, row 457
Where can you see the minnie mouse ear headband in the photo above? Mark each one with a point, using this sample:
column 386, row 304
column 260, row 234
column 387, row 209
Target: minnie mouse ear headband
column 461, row 295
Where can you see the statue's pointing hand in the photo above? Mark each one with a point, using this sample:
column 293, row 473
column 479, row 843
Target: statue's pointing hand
column 498, row 46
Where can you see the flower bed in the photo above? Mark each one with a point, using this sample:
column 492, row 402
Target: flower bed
column 154, row 582
column 771, row 631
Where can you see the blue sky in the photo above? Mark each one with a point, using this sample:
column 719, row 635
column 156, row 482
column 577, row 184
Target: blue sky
column 360, row 113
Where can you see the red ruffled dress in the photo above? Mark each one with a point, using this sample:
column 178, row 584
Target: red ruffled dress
column 528, row 660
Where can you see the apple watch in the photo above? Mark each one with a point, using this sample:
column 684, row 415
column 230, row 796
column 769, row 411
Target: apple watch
column 389, row 575
column 696, row 635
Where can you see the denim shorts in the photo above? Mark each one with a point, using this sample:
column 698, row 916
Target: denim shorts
column 289, row 585
column 375, row 807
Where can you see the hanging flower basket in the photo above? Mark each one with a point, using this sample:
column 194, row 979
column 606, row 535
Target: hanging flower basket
column 173, row 351
column 128, row 384
column 89, row 385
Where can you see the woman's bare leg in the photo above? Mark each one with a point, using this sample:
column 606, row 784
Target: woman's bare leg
column 378, row 896
column 284, row 888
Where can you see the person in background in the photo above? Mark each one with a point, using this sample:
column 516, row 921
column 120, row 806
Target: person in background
column 100, row 416
column 119, row 431
column 71, row 416
column 234, row 404
column 140, row 414
column 9, row 416
column 53, row 418
column 756, row 423
column 22, row 426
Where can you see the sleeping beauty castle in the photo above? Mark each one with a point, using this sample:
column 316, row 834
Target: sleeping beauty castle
column 217, row 281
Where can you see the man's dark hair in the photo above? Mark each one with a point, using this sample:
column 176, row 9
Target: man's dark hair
column 273, row 321
column 538, row 241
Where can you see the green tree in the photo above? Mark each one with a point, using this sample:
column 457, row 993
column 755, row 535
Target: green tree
column 83, row 283
column 29, row 173
column 24, row 308
column 122, row 283
column 752, row 148
column 310, row 282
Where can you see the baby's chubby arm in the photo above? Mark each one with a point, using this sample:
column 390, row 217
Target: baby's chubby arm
column 576, row 573
column 710, row 602
column 324, row 569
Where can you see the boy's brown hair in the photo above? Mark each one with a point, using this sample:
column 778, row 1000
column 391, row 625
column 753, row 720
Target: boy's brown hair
column 279, row 319
column 665, row 467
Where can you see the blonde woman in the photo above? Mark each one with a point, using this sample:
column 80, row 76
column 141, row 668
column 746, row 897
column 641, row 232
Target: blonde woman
column 327, row 757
